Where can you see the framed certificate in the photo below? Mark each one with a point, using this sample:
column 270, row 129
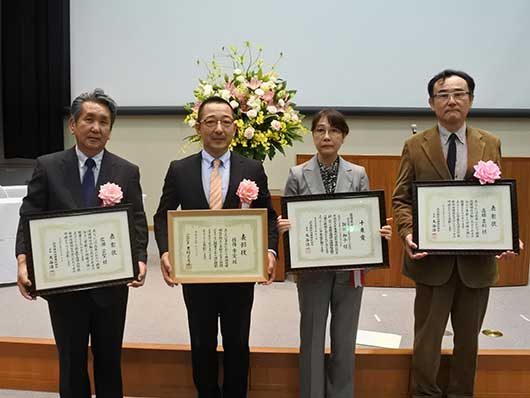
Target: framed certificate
column 214, row 246
column 464, row 217
column 335, row 232
column 71, row 250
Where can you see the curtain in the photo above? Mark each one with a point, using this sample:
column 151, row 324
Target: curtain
column 35, row 75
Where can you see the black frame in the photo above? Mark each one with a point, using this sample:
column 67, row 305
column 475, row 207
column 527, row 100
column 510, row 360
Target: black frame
column 449, row 184
column 380, row 194
column 35, row 291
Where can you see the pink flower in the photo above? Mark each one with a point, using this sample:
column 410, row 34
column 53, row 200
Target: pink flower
column 247, row 192
column 487, row 172
column 254, row 83
column 110, row 193
column 268, row 97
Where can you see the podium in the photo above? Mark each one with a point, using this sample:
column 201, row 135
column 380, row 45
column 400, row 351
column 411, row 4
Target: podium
column 10, row 201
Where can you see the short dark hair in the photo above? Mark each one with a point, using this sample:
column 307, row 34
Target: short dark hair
column 335, row 119
column 212, row 100
column 448, row 73
column 97, row 95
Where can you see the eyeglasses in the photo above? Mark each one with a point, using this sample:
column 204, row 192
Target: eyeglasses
column 457, row 95
column 332, row 132
column 212, row 123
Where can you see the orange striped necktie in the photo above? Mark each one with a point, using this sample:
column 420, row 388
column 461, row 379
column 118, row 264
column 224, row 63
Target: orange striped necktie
column 216, row 190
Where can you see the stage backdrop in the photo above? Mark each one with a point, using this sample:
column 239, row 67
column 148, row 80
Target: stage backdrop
column 336, row 53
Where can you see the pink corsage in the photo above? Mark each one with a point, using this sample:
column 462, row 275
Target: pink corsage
column 247, row 192
column 487, row 172
column 110, row 193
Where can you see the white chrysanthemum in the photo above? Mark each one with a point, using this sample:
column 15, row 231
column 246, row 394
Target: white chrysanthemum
column 259, row 92
column 234, row 104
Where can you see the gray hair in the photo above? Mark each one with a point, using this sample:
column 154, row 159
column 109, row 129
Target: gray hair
column 98, row 96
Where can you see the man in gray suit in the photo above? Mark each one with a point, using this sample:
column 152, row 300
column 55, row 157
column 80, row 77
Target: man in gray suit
column 68, row 180
column 327, row 172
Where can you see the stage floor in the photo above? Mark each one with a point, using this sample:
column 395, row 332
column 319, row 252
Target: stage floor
column 156, row 314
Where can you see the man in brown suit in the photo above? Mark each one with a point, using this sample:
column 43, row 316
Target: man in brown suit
column 445, row 285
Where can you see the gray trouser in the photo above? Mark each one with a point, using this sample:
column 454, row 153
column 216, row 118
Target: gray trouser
column 317, row 293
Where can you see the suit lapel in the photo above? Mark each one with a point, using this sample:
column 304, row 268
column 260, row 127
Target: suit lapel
column 432, row 147
column 475, row 150
column 108, row 172
column 195, row 182
column 344, row 177
column 72, row 178
column 236, row 175
column 312, row 177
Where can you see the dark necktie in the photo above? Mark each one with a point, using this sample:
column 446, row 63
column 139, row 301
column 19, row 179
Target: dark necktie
column 451, row 155
column 88, row 184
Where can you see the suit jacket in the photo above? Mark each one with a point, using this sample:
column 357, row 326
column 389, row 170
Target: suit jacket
column 305, row 179
column 56, row 185
column 183, row 187
column 423, row 159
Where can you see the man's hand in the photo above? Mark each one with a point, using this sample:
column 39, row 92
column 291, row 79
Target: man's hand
column 271, row 268
column 508, row 255
column 141, row 275
column 165, row 267
column 282, row 224
column 410, row 246
column 386, row 232
column 23, row 281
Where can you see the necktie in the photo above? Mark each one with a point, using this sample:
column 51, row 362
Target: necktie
column 216, row 191
column 451, row 155
column 88, row 184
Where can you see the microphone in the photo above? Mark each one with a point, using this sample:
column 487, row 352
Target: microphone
column 414, row 128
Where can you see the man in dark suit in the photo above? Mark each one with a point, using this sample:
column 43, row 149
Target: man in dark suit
column 187, row 184
column 445, row 285
column 68, row 180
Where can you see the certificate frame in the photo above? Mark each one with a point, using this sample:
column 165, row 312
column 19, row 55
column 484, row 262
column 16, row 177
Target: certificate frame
column 249, row 267
column 369, row 203
column 470, row 236
column 116, row 264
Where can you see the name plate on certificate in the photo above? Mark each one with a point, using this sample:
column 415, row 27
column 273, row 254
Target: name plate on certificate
column 217, row 246
column 464, row 217
column 71, row 250
column 335, row 232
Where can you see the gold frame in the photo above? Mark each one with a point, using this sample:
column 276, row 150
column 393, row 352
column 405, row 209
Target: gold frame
column 260, row 276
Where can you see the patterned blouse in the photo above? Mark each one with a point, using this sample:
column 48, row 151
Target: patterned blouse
column 329, row 175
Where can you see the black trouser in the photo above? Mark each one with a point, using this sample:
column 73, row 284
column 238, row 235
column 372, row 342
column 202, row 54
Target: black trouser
column 232, row 303
column 75, row 317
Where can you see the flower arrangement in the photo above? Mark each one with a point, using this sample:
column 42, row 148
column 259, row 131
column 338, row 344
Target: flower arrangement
column 487, row 172
column 265, row 117
column 110, row 194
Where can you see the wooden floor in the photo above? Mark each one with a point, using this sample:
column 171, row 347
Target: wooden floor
column 164, row 370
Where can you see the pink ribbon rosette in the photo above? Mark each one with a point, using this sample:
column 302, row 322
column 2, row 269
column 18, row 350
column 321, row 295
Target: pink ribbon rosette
column 487, row 172
column 110, row 193
column 247, row 192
